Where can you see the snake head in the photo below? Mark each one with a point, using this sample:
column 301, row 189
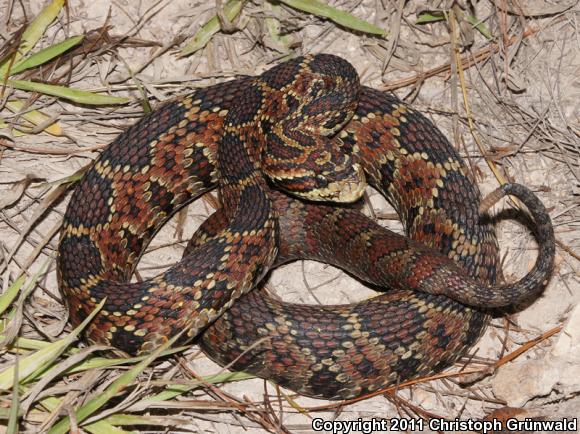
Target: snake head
column 306, row 106
column 321, row 172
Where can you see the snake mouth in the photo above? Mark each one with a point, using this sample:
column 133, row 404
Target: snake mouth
column 322, row 189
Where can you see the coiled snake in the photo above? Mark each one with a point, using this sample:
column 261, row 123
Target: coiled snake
column 280, row 126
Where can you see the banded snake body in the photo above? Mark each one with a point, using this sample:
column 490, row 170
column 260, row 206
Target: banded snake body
column 308, row 127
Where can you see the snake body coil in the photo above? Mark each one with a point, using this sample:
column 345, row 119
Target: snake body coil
column 230, row 134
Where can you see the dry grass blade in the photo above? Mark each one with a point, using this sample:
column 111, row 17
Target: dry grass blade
column 54, row 195
column 173, row 390
column 467, row 105
column 15, row 192
column 467, row 61
column 540, row 8
column 34, row 117
column 527, row 346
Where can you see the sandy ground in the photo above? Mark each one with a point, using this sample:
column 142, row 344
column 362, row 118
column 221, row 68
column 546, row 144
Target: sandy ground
column 524, row 104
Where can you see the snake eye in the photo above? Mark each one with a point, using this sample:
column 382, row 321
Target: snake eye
column 265, row 126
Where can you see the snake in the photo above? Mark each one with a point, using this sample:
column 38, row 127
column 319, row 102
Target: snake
column 279, row 147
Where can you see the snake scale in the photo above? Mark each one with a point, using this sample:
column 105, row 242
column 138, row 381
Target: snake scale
column 306, row 127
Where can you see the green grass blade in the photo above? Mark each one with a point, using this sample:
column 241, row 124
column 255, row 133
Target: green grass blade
column 432, row 17
column 122, row 419
column 130, row 419
column 75, row 95
column 8, row 297
column 4, row 415
column 105, row 427
column 429, row 17
column 203, row 35
column 46, row 54
column 342, row 18
column 281, row 42
column 117, row 386
column 9, row 327
column 51, row 403
column 174, row 390
column 481, row 28
column 34, row 32
column 36, row 29
column 145, row 102
column 31, row 366
column 15, row 405
column 68, row 179
column 102, row 362
column 26, row 344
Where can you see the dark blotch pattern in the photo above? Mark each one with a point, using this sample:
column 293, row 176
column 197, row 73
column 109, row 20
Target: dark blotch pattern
column 94, row 211
column 282, row 75
column 79, row 258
